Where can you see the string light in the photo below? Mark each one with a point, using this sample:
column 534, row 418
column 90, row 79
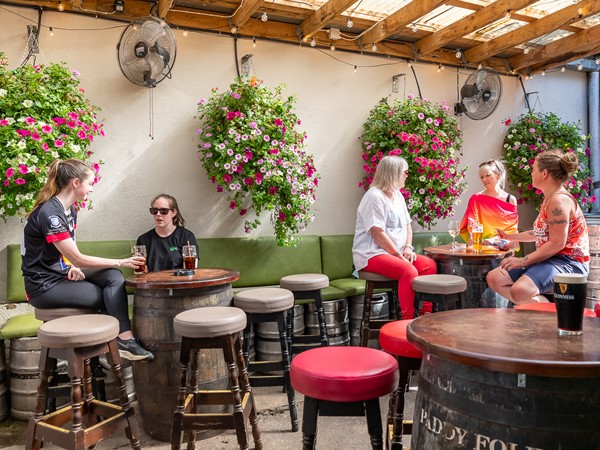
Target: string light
column 254, row 42
column 458, row 54
column 413, row 28
column 562, row 69
column 186, row 33
column 543, row 73
column 408, row 63
column 313, row 43
column 349, row 22
column 233, row 30
column 526, row 50
column 355, row 69
column 597, row 60
column 51, row 31
column 479, row 67
column 332, row 48
column 264, row 17
column 373, row 48
column 579, row 66
column 440, row 67
column 61, row 7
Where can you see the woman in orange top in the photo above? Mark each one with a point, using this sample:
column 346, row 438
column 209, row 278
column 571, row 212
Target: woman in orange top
column 559, row 232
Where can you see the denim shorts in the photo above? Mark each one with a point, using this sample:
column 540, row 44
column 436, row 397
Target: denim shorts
column 542, row 273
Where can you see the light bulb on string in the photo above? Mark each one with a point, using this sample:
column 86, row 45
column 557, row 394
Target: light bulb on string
column 597, row 60
column 313, row 43
column 479, row 67
column 264, row 17
column 233, row 30
column 254, row 42
column 374, row 48
column 413, row 28
column 332, row 48
column 440, row 67
column 526, row 50
column 543, row 73
column 60, row 6
column 562, row 69
column 579, row 66
column 349, row 22
column 186, row 33
column 355, row 69
column 51, row 31
column 458, row 54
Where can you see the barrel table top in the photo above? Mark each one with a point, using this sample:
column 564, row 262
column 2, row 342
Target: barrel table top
column 506, row 340
column 488, row 252
column 167, row 279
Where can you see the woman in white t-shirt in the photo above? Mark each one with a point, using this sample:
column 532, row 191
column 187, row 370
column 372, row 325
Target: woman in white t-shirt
column 383, row 234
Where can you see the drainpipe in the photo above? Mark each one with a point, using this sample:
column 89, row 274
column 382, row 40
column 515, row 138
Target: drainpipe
column 594, row 129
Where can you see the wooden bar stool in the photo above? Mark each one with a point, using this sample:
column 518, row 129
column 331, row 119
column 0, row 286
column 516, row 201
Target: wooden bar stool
column 306, row 286
column 550, row 307
column 343, row 381
column 86, row 420
column 269, row 305
column 205, row 328
column 370, row 328
column 393, row 339
column 59, row 384
column 441, row 290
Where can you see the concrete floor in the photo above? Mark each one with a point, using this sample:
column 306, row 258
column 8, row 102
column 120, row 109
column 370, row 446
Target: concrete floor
column 348, row 433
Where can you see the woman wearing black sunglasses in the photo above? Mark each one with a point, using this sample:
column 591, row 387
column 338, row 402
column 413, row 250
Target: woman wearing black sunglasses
column 164, row 242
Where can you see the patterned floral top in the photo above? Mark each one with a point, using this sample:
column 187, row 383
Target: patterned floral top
column 577, row 246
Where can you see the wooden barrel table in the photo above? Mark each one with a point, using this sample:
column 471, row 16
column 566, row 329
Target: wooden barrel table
column 158, row 298
column 504, row 379
column 473, row 267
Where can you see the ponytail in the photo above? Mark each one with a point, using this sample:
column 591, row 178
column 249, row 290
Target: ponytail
column 60, row 174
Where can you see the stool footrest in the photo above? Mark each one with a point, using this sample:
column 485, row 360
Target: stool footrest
column 206, row 421
column 266, row 380
column 334, row 409
column 265, row 366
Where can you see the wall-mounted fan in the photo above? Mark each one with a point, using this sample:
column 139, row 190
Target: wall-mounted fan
column 480, row 94
column 146, row 51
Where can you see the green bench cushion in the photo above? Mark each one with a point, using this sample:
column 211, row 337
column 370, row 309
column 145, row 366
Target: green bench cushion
column 259, row 260
column 23, row 325
column 351, row 286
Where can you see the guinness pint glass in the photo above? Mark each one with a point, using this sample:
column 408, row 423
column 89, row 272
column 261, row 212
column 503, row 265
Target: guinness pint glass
column 570, row 291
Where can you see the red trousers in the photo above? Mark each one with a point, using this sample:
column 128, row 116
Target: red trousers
column 393, row 267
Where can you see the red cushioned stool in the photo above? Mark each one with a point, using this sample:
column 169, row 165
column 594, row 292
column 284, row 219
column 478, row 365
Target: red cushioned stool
column 549, row 307
column 392, row 339
column 343, row 381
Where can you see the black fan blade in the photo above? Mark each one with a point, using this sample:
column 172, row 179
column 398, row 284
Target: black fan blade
column 468, row 91
column 162, row 52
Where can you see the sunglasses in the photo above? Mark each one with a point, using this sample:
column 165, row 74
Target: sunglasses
column 491, row 162
column 162, row 211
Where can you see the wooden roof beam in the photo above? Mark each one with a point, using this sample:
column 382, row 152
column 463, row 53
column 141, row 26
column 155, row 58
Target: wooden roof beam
column 485, row 16
column 398, row 20
column 322, row 16
column 163, row 8
column 559, row 52
column 245, row 11
column 533, row 30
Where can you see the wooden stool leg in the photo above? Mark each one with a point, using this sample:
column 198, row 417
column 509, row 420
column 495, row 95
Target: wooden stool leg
column 290, row 330
column 246, row 340
column 46, row 364
column 176, row 430
column 238, row 412
column 366, row 317
column 321, row 317
column 132, row 431
column 247, row 389
column 285, row 359
column 374, row 423
column 193, row 408
column 398, row 412
column 309, row 423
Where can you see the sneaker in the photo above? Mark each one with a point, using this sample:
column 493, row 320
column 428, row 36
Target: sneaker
column 132, row 350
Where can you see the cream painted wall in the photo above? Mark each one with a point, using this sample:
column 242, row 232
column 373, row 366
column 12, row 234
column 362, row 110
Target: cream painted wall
column 333, row 102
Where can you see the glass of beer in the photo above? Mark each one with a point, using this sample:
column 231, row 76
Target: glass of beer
column 570, row 291
column 140, row 250
column 190, row 257
column 477, row 232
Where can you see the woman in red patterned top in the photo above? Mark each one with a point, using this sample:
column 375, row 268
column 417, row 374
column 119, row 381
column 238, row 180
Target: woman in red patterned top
column 559, row 232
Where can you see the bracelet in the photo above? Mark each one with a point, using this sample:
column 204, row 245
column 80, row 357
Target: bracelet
column 408, row 246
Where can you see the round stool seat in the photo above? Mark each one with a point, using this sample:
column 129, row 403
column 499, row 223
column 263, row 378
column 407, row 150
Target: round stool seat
column 304, row 282
column 372, row 276
column 344, row 374
column 264, row 300
column 209, row 321
column 393, row 339
column 78, row 331
column 549, row 307
column 597, row 309
column 439, row 284
column 46, row 314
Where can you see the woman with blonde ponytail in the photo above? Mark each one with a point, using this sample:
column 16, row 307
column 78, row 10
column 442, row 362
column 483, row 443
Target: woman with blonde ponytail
column 57, row 274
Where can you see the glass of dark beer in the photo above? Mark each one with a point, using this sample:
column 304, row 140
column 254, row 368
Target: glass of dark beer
column 570, row 291
column 190, row 257
column 140, row 250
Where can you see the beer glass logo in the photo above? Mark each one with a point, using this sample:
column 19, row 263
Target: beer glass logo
column 563, row 287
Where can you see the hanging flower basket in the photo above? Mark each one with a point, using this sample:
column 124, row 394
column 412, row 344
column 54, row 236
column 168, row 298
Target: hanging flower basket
column 44, row 115
column 534, row 133
column 251, row 150
column 428, row 138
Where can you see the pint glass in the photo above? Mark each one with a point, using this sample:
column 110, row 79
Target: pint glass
column 570, row 291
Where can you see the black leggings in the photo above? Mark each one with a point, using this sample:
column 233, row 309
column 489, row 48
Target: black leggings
column 102, row 289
